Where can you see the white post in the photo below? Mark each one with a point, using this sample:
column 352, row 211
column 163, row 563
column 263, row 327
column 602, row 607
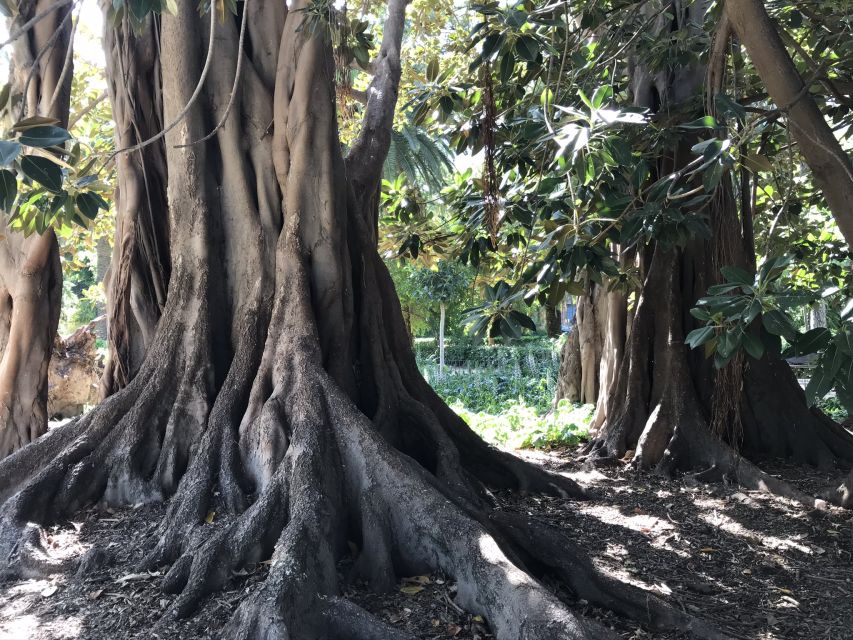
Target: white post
column 443, row 308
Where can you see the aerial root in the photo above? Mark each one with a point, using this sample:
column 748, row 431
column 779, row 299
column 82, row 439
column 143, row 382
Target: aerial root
column 551, row 548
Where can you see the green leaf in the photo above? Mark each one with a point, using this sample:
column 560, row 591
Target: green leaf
column 706, row 122
column 778, row 324
column 88, row 204
column 34, row 121
column 44, row 136
column 527, row 48
column 699, row 336
column 819, row 385
column 753, row 346
column 8, row 190
column 41, row 170
column 700, row 314
column 736, row 275
column 140, row 8
column 9, row 151
column 601, row 94
column 726, row 105
column 812, row 341
column 523, row 320
column 432, row 70
column 507, row 67
column 491, row 43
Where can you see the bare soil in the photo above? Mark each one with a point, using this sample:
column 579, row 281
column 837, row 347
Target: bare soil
column 759, row 567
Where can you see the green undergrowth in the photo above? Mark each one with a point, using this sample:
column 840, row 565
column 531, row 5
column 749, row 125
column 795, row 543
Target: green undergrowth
column 523, row 427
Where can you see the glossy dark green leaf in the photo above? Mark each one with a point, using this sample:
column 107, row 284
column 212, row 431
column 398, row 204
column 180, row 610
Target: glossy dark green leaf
column 753, row 346
column 9, row 151
column 811, row 341
column 44, row 136
column 699, row 336
column 779, row 324
column 87, row 204
column 8, row 190
column 47, row 173
column 527, row 48
column 736, row 275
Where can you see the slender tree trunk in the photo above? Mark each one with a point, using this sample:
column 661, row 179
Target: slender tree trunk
column 569, row 376
column 138, row 277
column 553, row 321
column 442, row 313
column 30, row 273
column 830, row 164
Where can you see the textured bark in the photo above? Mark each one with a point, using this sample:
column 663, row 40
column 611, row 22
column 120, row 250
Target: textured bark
column 553, row 322
column 30, row 273
column 280, row 388
column 138, row 276
column 569, row 377
column 592, row 353
column 830, row 164
column 667, row 400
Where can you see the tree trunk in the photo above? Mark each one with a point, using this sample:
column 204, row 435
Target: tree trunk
column 569, row 376
column 553, row 321
column 829, row 163
column 138, row 277
column 665, row 399
column 442, row 312
column 103, row 258
column 30, row 273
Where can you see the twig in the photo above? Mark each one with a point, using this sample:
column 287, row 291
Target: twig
column 69, row 57
column 82, row 114
column 189, row 104
column 48, row 46
column 34, row 21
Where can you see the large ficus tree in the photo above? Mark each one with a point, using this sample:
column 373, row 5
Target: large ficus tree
column 279, row 385
column 633, row 137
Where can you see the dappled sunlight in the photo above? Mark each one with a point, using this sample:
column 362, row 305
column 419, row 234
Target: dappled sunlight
column 712, row 515
column 20, row 625
column 18, row 620
column 492, row 554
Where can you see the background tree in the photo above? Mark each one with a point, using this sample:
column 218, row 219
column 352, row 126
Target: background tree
column 553, row 97
column 442, row 284
column 30, row 273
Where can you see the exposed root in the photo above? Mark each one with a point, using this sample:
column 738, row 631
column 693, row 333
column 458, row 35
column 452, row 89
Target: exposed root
column 552, row 549
column 841, row 495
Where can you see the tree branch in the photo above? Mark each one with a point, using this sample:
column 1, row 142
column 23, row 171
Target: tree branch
column 367, row 155
column 830, row 164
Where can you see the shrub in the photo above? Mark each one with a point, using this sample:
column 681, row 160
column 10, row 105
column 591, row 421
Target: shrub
column 521, row 426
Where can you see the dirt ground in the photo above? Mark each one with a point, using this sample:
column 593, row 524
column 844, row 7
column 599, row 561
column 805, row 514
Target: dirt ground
column 759, row 567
